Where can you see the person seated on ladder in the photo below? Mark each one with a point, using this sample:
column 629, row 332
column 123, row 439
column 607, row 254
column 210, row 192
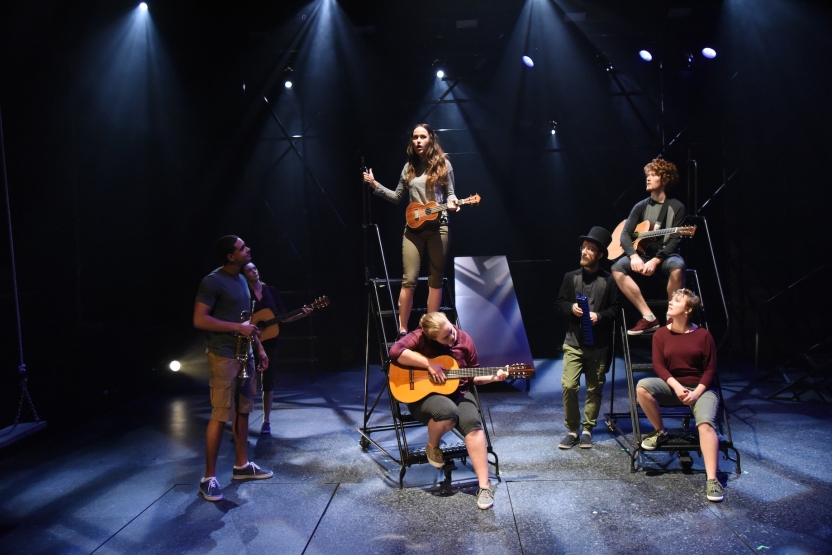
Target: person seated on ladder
column 684, row 357
column 662, row 212
column 436, row 336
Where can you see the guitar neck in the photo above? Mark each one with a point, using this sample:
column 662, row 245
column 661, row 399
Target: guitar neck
column 655, row 233
column 441, row 207
column 467, row 372
column 282, row 317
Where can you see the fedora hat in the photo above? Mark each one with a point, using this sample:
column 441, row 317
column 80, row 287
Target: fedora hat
column 599, row 236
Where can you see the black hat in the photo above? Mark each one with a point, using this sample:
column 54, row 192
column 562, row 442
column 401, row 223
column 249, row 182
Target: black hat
column 599, row 236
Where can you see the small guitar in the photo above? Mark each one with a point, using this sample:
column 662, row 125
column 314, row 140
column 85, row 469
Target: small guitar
column 643, row 236
column 417, row 214
column 267, row 322
column 408, row 385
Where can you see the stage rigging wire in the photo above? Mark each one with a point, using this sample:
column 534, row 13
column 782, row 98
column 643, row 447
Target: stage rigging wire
column 24, row 391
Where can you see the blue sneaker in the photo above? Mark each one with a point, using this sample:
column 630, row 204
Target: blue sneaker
column 251, row 472
column 210, row 489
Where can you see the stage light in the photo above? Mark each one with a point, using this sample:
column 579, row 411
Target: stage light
column 554, row 126
column 440, row 74
column 645, row 55
column 143, row 7
column 528, row 61
column 288, row 84
column 709, row 53
column 175, row 365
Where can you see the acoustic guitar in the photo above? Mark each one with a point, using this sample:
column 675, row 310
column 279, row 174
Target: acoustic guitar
column 643, row 235
column 417, row 213
column 267, row 322
column 408, row 385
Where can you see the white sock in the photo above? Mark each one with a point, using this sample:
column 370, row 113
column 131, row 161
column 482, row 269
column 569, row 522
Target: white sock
column 587, row 432
column 650, row 317
column 241, row 467
column 573, row 434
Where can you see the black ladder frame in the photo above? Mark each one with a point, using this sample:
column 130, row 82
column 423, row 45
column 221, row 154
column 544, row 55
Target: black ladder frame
column 377, row 289
column 688, row 441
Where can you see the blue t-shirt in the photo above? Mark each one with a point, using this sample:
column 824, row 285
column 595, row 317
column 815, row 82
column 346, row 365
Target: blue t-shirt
column 228, row 296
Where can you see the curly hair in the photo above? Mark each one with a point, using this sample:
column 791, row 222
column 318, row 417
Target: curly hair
column 432, row 323
column 664, row 169
column 692, row 300
column 437, row 170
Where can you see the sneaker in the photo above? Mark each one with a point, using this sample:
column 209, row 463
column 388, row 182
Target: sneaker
column 265, row 429
column 643, row 326
column 586, row 440
column 210, row 489
column 485, row 498
column 434, row 455
column 714, row 491
column 653, row 440
column 251, row 472
column 569, row 441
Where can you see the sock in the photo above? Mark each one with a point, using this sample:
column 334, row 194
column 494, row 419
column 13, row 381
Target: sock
column 206, row 479
column 587, row 432
column 241, row 467
column 573, row 434
column 650, row 317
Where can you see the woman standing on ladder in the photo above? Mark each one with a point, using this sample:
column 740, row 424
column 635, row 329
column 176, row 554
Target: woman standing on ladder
column 427, row 176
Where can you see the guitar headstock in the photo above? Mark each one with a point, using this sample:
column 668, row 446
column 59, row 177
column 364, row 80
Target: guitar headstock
column 520, row 370
column 320, row 302
column 686, row 231
column 473, row 199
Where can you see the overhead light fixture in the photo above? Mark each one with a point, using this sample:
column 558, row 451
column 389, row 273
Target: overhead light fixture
column 645, row 55
column 440, row 74
column 709, row 53
column 288, row 84
column 528, row 61
column 175, row 365
column 143, row 7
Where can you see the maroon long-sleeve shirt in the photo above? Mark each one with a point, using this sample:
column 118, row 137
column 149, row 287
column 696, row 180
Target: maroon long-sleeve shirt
column 688, row 357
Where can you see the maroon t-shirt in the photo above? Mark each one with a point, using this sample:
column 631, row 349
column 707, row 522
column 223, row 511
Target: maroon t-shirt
column 462, row 350
column 688, row 357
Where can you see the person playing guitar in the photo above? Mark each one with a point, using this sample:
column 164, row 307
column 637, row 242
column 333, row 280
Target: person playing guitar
column 659, row 211
column 436, row 336
column 426, row 177
column 266, row 296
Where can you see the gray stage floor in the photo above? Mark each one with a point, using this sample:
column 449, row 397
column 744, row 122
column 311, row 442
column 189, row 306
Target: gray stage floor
column 127, row 483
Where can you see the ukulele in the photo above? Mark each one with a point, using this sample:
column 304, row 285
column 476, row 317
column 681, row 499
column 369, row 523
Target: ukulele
column 417, row 213
column 408, row 385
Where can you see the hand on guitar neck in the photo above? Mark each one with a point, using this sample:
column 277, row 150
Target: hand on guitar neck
column 643, row 235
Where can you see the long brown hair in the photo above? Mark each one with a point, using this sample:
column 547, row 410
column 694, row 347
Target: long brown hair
column 437, row 170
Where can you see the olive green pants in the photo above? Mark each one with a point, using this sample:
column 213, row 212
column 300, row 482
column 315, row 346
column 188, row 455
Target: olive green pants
column 592, row 363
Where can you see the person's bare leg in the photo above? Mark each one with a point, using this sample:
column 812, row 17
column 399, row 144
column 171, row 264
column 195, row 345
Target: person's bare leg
column 213, row 439
column 675, row 281
column 650, row 407
column 627, row 286
column 268, row 397
column 405, row 306
column 709, row 443
column 478, row 453
column 434, row 299
column 240, row 427
column 438, row 429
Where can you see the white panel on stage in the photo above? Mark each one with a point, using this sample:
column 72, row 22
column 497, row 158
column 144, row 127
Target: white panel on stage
column 488, row 310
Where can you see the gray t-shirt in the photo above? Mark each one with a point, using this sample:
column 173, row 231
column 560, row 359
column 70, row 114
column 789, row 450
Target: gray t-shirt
column 228, row 296
column 417, row 189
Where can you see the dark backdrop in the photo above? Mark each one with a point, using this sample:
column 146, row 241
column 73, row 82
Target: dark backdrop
column 132, row 143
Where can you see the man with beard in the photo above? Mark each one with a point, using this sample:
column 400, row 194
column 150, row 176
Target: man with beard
column 587, row 342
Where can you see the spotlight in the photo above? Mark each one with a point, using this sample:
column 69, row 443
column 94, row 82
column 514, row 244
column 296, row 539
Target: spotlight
column 709, row 53
column 554, row 126
column 288, row 84
column 440, row 74
column 528, row 61
column 645, row 55
column 143, row 7
column 175, row 365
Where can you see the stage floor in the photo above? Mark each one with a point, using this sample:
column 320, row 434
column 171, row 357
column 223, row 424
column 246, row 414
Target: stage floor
column 127, row 483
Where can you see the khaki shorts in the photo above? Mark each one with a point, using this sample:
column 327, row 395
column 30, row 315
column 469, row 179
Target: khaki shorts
column 228, row 393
